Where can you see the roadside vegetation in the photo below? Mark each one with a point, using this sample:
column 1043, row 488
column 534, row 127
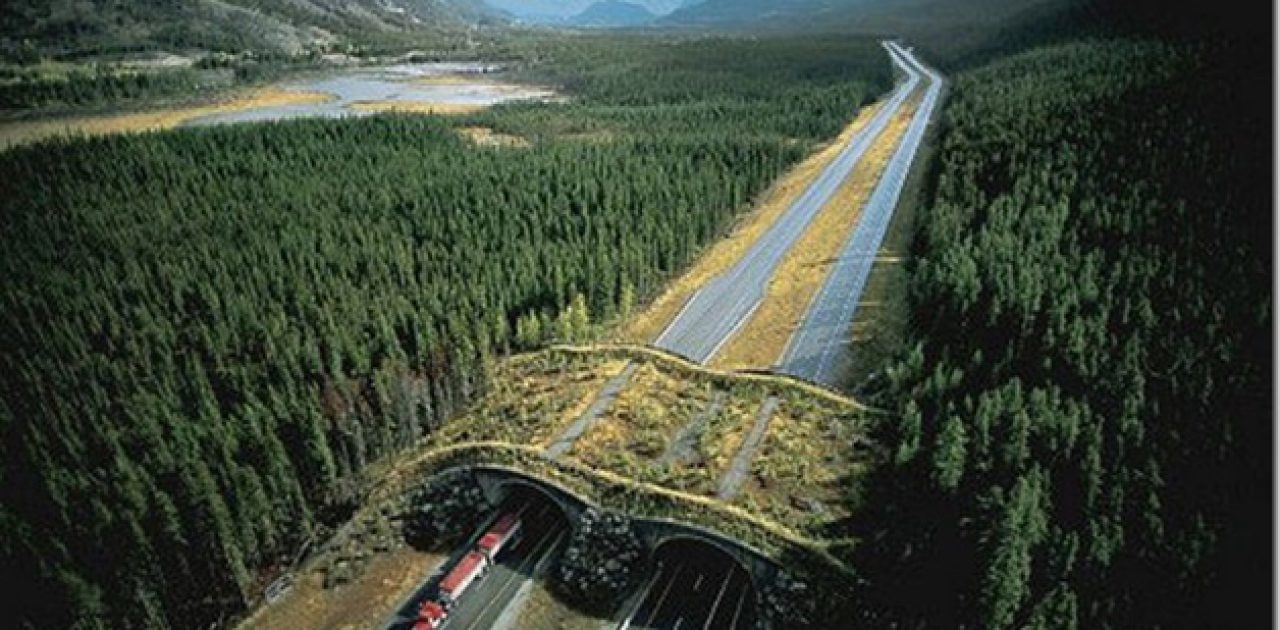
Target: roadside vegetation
column 214, row 332
column 1084, row 402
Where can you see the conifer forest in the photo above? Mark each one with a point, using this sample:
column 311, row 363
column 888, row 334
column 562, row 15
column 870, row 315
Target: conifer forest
column 223, row 345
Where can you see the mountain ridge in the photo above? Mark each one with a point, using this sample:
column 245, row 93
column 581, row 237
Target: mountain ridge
column 614, row 13
column 71, row 27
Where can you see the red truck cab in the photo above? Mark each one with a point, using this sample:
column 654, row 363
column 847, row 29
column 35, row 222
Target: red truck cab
column 430, row 616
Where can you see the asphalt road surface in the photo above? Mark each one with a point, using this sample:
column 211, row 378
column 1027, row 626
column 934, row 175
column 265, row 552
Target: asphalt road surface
column 819, row 347
column 480, row 605
column 695, row 594
column 722, row 305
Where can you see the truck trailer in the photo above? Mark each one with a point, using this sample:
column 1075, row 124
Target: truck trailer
column 472, row 567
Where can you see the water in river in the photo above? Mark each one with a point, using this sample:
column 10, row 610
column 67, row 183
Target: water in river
column 405, row 83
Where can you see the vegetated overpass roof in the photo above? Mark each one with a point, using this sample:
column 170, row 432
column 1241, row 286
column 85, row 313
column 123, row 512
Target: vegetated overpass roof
column 793, row 452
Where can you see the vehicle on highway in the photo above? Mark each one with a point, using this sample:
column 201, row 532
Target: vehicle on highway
column 472, row 567
column 504, row 530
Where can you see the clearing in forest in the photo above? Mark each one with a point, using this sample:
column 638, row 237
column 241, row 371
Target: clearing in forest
column 364, row 603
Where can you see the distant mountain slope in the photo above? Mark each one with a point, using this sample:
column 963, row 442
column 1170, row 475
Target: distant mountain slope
column 614, row 13
column 844, row 14
column 742, row 12
column 562, row 11
column 70, row 26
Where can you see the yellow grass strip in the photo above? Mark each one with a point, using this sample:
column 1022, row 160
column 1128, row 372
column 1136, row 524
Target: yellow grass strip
column 724, row 435
column 453, row 79
column 723, row 254
column 417, row 107
column 634, row 410
column 22, row 132
column 763, row 339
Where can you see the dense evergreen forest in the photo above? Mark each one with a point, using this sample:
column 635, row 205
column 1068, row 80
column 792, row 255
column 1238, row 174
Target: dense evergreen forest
column 29, row 89
column 1086, row 416
column 209, row 334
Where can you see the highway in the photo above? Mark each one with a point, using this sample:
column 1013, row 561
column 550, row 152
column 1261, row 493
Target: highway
column 481, row 605
column 817, row 348
column 724, row 304
column 695, row 591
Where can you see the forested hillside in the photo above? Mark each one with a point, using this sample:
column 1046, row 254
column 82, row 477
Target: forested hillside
column 210, row 334
column 1085, row 420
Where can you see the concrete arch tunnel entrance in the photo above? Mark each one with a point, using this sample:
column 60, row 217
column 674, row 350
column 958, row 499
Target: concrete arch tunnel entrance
column 697, row 584
column 500, row 482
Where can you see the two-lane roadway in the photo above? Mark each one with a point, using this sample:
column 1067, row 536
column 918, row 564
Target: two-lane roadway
column 817, row 348
column 481, row 605
column 695, row 591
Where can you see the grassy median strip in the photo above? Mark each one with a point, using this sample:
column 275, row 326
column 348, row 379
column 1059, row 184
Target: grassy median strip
column 761, row 342
column 723, row 254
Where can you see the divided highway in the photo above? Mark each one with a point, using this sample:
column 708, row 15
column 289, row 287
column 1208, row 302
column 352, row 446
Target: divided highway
column 816, row 349
column 692, row 589
column 725, row 303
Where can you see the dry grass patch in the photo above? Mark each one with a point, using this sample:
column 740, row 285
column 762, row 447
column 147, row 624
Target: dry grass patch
column 533, row 398
column 544, row 611
column 763, row 339
column 452, row 79
column 723, row 438
column 642, row 422
column 571, row 406
column 807, row 467
column 417, row 107
column 364, row 603
column 723, row 254
column 23, row 132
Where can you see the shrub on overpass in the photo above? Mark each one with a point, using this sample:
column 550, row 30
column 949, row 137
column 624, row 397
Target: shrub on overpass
column 441, row 509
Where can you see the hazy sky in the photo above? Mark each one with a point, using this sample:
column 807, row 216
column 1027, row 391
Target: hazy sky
column 571, row 7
